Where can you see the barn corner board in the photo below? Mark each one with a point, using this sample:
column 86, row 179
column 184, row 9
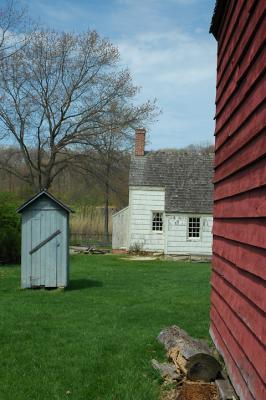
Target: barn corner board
column 45, row 242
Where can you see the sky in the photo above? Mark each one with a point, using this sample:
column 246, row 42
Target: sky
column 168, row 49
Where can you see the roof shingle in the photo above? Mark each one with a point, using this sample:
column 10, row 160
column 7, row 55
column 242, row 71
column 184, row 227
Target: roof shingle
column 186, row 177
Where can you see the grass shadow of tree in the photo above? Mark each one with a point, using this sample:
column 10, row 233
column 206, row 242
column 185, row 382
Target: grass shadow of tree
column 84, row 283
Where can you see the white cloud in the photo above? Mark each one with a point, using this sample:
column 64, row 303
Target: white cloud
column 179, row 70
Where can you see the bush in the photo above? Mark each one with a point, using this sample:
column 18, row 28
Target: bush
column 9, row 228
column 136, row 248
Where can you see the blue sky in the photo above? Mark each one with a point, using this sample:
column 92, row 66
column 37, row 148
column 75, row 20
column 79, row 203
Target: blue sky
column 166, row 46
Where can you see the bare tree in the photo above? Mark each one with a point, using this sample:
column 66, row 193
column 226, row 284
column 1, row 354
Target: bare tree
column 57, row 95
column 15, row 31
column 15, row 28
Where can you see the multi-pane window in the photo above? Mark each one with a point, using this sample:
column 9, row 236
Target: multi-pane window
column 194, row 227
column 157, row 221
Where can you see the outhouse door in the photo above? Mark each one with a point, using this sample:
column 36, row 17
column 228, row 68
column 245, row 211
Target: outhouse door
column 44, row 250
column 35, row 278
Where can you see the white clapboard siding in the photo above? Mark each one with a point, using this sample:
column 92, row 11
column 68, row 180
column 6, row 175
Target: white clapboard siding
column 142, row 202
column 176, row 235
column 120, row 230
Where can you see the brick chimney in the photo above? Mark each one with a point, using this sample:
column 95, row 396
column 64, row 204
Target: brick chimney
column 140, row 141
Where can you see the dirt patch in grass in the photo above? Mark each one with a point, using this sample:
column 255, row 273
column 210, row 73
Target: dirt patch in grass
column 198, row 391
column 192, row 391
column 141, row 258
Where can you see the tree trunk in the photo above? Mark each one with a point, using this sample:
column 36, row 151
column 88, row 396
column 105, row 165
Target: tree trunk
column 106, row 212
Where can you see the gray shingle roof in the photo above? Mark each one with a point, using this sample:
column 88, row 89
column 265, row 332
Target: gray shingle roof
column 186, row 177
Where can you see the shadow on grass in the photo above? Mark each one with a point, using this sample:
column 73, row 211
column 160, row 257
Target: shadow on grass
column 78, row 284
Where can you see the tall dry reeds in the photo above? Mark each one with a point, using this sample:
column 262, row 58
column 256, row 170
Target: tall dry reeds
column 90, row 220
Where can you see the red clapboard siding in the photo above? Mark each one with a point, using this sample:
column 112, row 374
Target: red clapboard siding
column 246, row 205
column 250, row 286
column 230, row 144
column 251, row 316
column 249, row 258
column 238, row 300
column 251, row 178
column 239, row 83
column 239, row 69
column 243, row 87
column 232, row 34
column 252, row 382
column 251, row 231
column 234, row 371
column 245, row 156
column 232, row 15
column 231, row 58
column 246, row 340
column 252, row 102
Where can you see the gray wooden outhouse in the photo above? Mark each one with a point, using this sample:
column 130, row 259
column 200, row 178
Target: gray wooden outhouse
column 45, row 242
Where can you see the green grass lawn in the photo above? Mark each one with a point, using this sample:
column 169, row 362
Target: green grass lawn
column 95, row 340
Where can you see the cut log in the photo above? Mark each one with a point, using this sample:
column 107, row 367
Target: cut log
column 167, row 371
column 203, row 367
column 193, row 357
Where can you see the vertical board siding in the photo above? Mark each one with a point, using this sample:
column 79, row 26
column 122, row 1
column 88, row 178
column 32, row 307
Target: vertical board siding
column 48, row 266
column 142, row 202
column 238, row 301
column 120, row 230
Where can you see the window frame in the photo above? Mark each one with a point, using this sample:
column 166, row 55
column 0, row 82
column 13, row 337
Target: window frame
column 162, row 214
column 194, row 238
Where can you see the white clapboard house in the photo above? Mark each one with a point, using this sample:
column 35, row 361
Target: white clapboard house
column 170, row 203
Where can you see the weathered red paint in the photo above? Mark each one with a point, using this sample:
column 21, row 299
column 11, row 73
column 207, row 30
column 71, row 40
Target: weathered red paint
column 251, row 127
column 252, row 102
column 231, row 17
column 254, row 176
column 250, row 204
column 250, row 317
column 245, row 156
column 250, row 231
column 219, row 339
column 243, row 342
column 249, row 258
column 244, row 29
column 250, row 287
column 249, row 130
column 251, row 382
column 253, row 72
column 238, row 299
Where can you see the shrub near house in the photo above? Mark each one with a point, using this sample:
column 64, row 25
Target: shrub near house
column 9, row 228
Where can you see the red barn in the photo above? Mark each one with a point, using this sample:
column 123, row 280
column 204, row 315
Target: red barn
column 238, row 300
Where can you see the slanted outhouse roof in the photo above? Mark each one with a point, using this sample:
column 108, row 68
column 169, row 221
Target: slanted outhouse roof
column 38, row 196
column 186, row 177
